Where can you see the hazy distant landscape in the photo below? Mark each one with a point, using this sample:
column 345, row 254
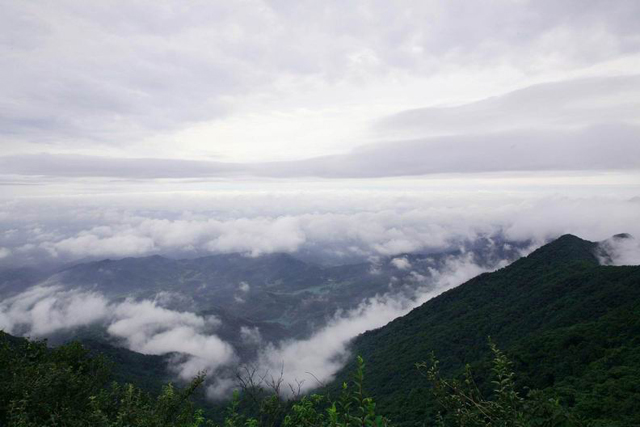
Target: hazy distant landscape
column 267, row 213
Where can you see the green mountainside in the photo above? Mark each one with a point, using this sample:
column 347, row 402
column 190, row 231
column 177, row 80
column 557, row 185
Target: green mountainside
column 571, row 326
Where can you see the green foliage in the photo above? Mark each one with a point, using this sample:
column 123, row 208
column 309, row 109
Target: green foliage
column 39, row 386
column 353, row 408
column 67, row 386
column 122, row 406
column 305, row 412
column 465, row 406
column 236, row 419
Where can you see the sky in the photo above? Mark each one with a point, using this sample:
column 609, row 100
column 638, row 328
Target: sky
column 114, row 114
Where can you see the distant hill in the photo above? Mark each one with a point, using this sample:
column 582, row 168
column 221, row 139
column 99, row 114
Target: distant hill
column 13, row 280
column 571, row 326
column 279, row 294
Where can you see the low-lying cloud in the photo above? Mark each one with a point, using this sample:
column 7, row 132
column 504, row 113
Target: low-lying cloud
column 142, row 326
column 335, row 226
column 401, row 263
column 317, row 359
column 622, row 249
column 42, row 310
column 150, row 329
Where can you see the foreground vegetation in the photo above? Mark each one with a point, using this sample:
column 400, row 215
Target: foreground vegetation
column 67, row 386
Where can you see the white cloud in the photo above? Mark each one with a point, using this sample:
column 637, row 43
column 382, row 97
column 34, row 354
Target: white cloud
column 150, row 329
column 257, row 236
column 250, row 335
column 87, row 244
column 144, row 326
column 244, row 287
column 620, row 250
column 326, row 225
column 401, row 263
column 42, row 310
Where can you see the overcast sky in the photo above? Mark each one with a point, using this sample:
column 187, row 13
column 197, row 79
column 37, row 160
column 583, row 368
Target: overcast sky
column 86, row 84
column 518, row 98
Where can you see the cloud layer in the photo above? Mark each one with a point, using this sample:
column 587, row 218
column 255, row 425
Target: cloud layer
column 102, row 88
column 330, row 226
column 587, row 124
column 622, row 249
column 186, row 58
column 143, row 326
column 602, row 148
column 149, row 327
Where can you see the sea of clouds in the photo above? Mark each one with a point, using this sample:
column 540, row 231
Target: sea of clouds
column 143, row 326
column 331, row 227
column 328, row 226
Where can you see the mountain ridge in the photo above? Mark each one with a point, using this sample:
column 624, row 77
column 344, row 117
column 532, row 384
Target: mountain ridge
column 551, row 292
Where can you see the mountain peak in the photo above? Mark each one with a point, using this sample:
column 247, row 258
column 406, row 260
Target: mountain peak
column 569, row 238
column 622, row 236
column 566, row 248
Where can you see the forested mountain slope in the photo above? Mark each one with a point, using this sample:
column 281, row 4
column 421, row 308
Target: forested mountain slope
column 571, row 325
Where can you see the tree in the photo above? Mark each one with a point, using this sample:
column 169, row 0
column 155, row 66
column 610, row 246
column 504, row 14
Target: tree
column 464, row 405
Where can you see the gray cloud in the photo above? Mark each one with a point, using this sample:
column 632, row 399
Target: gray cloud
column 610, row 147
column 94, row 166
column 607, row 147
column 559, row 105
column 118, row 72
column 584, row 124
